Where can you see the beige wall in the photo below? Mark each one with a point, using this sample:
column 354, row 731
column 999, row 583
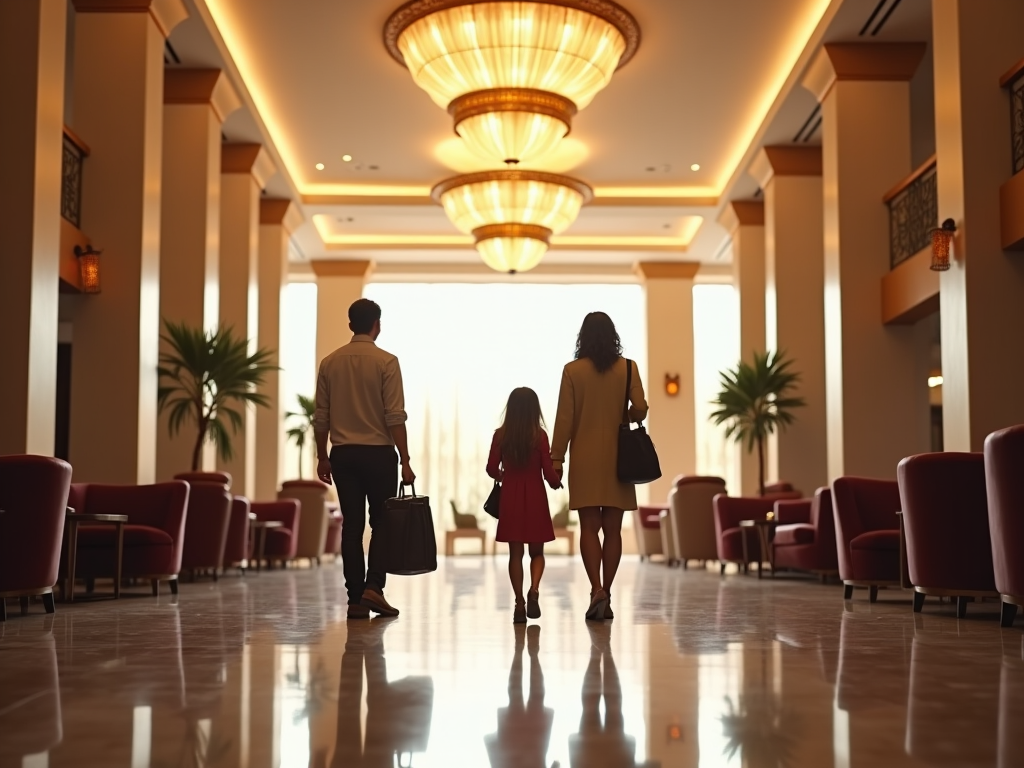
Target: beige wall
column 32, row 43
column 982, row 295
column 119, row 113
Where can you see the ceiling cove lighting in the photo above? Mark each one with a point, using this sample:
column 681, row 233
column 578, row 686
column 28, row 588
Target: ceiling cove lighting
column 512, row 214
column 512, row 73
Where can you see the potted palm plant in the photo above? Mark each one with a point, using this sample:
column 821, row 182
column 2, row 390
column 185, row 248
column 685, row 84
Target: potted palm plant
column 206, row 378
column 756, row 400
column 303, row 429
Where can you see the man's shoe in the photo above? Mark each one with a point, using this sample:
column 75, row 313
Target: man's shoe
column 356, row 611
column 374, row 601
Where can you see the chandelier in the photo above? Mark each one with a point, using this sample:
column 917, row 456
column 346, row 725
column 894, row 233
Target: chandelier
column 512, row 73
column 512, row 214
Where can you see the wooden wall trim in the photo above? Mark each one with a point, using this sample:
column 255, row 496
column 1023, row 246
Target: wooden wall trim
column 917, row 173
column 340, row 267
column 910, row 291
column 1011, row 213
column 670, row 270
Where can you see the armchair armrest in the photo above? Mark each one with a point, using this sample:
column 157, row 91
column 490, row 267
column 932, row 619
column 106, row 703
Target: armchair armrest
column 793, row 511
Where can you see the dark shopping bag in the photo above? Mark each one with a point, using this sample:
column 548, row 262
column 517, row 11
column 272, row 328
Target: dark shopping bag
column 409, row 544
column 637, row 460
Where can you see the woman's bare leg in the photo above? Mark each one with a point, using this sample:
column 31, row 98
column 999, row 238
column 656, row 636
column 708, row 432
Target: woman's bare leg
column 536, row 566
column 515, row 568
column 611, row 524
column 590, row 545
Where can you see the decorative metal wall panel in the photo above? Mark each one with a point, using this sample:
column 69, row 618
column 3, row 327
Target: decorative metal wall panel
column 71, row 182
column 1017, row 122
column 913, row 214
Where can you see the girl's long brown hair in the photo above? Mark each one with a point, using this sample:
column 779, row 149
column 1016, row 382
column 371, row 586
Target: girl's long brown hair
column 523, row 421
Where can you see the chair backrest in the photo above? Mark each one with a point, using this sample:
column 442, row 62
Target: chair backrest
column 33, row 497
column 730, row 510
column 859, row 505
column 312, row 498
column 824, row 522
column 945, row 515
column 287, row 511
column 1004, row 458
column 222, row 478
column 692, row 515
column 206, row 525
column 463, row 521
column 160, row 505
column 236, row 547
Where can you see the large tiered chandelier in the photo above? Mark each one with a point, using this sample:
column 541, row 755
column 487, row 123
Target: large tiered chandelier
column 512, row 214
column 512, row 73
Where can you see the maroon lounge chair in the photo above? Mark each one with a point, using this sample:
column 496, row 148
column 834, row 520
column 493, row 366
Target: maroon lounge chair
column 1004, row 458
column 729, row 511
column 805, row 539
column 867, row 533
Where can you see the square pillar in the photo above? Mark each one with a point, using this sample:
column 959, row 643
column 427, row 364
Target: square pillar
column 669, row 292
column 278, row 219
column 744, row 220
column 338, row 284
column 245, row 170
column 794, row 304
column 196, row 102
column 876, row 404
column 982, row 294
column 119, row 94
column 32, row 44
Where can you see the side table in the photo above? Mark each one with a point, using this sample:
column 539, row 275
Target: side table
column 258, row 534
column 766, row 534
column 74, row 519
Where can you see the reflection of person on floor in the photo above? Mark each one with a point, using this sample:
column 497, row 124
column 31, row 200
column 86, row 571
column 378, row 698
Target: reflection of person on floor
column 524, row 728
column 598, row 744
column 397, row 714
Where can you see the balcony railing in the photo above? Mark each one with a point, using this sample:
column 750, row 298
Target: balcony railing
column 75, row 152
column 913, row 212
column 1013, row 81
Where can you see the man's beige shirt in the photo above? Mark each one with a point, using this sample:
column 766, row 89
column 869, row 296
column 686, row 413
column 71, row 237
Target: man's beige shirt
column 359, row 394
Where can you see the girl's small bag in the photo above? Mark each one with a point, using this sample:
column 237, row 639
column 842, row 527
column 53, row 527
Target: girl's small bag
column 493, row 503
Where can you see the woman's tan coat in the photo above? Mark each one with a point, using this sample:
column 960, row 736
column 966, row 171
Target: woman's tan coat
column 587, row 424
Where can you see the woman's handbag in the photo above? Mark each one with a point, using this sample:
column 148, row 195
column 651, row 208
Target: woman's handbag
column 409, row 544
column 637, row 461
column 493, row 503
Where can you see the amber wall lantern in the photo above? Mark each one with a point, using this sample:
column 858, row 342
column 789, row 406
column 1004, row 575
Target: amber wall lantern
column 89, row 268
column 942, row 241
column 671, row 384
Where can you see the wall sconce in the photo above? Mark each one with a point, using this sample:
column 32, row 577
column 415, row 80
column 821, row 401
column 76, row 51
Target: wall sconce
column 671, row 385
column 89, row 268
column 942, row 239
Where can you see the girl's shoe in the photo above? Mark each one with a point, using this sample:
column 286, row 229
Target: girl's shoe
column 519, row 614
column 598, row 606
column 532, row 604
column 608, row 615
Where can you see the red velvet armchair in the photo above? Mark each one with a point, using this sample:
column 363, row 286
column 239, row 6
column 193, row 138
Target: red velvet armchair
column 867, row 533
column 1004, row 458
column 945, row 516
column 236, row 544
column 805, row 539
column 206, row 528
column 153, row 536
column 729, row 511
column 281, row 543
column 33, row 497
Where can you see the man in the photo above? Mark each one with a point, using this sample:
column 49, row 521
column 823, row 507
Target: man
column 360, row 405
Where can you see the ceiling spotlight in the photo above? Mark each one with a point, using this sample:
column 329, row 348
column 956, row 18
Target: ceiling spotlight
column 695, row 167
column 319, row 166
column 347, row 158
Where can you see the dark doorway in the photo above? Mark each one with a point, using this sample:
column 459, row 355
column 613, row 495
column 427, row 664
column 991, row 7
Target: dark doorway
column 62, row 436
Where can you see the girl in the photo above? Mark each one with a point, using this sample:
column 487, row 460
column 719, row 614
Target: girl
column 520, row 460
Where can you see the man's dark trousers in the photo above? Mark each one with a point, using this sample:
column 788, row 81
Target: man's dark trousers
column 364, row 473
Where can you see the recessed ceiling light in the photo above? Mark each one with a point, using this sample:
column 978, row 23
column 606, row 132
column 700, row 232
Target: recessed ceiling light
column 319, row 166
column 374, row 167
column 650, row 169
column 695, row 167
column 347, row 158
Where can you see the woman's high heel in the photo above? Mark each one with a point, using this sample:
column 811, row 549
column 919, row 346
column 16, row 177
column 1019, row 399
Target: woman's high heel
column 598, row 606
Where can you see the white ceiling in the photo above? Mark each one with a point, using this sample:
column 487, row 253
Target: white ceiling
column 711, row 80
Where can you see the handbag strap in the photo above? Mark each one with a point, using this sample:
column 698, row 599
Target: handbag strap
column 401, row 489
column 629, row 384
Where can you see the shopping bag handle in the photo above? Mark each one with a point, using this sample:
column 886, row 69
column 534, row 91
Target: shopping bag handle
column 401, row 489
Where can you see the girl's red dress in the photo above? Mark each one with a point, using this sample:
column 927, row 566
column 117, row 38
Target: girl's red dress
column 524, row 515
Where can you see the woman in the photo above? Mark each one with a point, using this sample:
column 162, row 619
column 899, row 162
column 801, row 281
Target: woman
column 590, row 404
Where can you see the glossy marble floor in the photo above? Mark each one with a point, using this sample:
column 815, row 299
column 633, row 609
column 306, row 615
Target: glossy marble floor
column 697, row 671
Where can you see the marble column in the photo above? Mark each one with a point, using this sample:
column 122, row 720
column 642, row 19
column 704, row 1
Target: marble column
column 32, row 43
column 119, row 89
column 668, row 287
column 794, row 304
column 338, row 284
column 744, row 220
column 278, row 219
column 876, row 402
column 982, row 294
column 196, row 102
column 245, row 170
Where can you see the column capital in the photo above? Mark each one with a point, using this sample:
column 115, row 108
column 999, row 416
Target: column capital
column 340, row 267
column 201, row 86
column 785, row 161
column 247, row 158
column 166, row 13
column 281, row 211
column 742, row 213
column 667, row 270
column 861, row 62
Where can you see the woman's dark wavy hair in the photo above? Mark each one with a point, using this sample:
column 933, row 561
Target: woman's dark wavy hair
column 599, row 341
column 521, row 425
